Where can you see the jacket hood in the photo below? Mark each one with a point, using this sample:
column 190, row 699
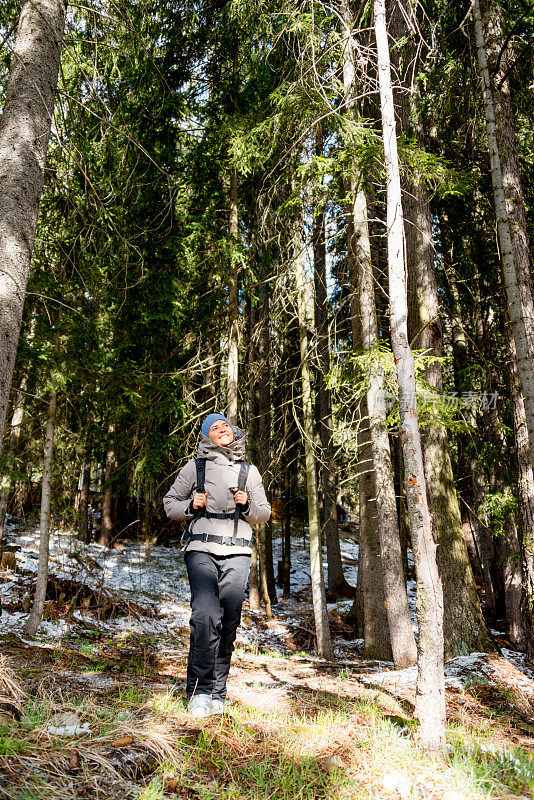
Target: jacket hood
column 215, row 452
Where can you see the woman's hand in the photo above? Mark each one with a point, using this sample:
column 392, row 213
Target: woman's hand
column 240, row 498
column 199, row 499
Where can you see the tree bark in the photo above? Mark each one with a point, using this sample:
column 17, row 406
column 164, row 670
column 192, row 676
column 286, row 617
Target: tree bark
column 106, row 526
column 322, row 626
column 286, row 534
column 464, row 626
column 267, row 579
column 396, row 601
column 369, row 608
column 233, row 310
column 368, row 613
column 483, row 536
column 233, row 276
column 515, row 205
column 147, row 516
column 254, row 585
column 36, row 614
column 523, row 633
column 253, row 582
column 475, row 530
column 337, row 585
column 24, row 135
column 290, row 443
column 508, row 150
column 14, row 435
column 207, row 400
column 509, row 559
column 376, row 634
column 260, row 440
column 83, row 503
column 430, row 692
column 517, row 282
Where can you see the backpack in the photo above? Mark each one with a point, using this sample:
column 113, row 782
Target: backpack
column 200, row 464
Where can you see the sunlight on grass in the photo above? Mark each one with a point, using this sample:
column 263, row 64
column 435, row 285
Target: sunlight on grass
column 132, row 694
column 154, row 790
column 167, row 704
column 318, row 744
column 488, row 766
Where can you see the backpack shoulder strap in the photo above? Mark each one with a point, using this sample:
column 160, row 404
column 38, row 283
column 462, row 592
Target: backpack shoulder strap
column 200, row 464
column 243, row 475
column 241, row 483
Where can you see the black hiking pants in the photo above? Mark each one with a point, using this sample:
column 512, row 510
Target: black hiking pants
column 218, row 585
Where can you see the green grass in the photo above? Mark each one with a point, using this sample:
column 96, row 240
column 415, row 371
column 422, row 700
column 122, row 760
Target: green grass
column 35, row 713
column 10, row 743
column 127, row 693
column 490, row 767
column 320, row 744
column 154, row 790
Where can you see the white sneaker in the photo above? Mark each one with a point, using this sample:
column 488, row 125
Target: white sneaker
column 200, row 706
column 218, row 706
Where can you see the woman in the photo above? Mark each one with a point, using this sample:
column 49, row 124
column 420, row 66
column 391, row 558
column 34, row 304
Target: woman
column 219, row 512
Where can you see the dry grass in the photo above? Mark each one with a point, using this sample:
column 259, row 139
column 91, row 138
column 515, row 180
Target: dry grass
column 332, row 737
column 12, row 693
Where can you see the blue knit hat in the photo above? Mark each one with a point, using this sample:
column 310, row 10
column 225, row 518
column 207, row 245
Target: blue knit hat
column 209, row 420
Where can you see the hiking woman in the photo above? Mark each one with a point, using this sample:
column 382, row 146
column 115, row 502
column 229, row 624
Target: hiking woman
column 221, row 497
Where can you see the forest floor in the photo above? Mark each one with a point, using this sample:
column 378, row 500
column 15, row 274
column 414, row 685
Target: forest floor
column 97, row 707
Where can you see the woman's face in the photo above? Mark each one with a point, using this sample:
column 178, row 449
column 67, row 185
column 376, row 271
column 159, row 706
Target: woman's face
column 221, row 433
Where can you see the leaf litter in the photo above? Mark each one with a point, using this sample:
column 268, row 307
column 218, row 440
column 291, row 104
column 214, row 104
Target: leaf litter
column 121, row 673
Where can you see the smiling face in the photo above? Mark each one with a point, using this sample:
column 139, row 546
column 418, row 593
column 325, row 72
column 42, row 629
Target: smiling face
column 221, row 433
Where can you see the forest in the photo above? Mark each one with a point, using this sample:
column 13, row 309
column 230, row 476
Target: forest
column 315, row 218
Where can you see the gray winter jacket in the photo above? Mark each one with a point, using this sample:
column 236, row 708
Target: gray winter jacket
column 222, row 472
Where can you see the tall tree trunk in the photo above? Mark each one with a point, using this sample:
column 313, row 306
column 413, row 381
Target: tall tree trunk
column 506, row 559
column 498, row 66
column 337, row 585
column 24, row 134
column 482, row 480
column 509, row 558
column 233, row 310
column 430, row 693
column 369, row 608
column 253, row 580
column 464, row 627
column 483, row 536
column 286, row 534
column 477, row 534
column 508, row 149
column 260, row 439
column 523, row 634
column 267, row 579
column 208, row 390
column 376, row 635
column 253, row 436
column 368, row 613
column 83, row 502
column 290, row 442
column 147, row 516
column 233, row 275
column 106, row 525
column 322, row 626
column 517, row 281
column 403, row 645
column 36, row 614
column 14, row 436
